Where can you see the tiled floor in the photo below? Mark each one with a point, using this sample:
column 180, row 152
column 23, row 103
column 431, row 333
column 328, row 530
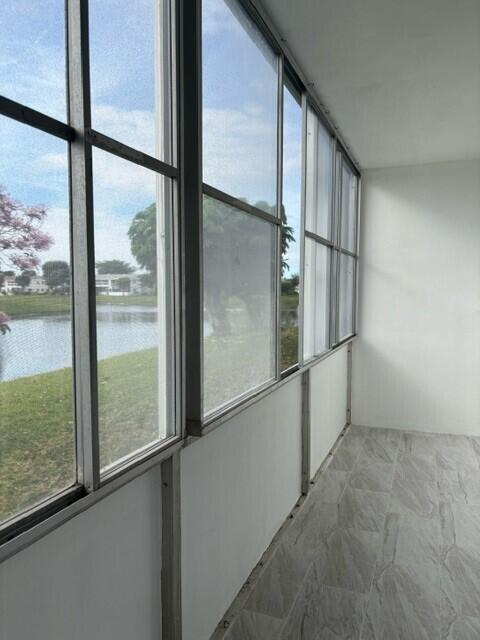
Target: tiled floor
column 385, row 547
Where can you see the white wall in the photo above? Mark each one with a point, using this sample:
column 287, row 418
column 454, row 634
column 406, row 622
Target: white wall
column 417, row 362
column 328, row 405
column 97, row 576
column 238, row 485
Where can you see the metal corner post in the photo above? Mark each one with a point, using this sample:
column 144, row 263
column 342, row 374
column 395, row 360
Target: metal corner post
column 305, row 431
column 190, row 163
column 83, row 253
column 349, row 383
column 171, row 549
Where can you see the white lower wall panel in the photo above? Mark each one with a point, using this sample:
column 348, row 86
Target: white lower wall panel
column 238, row 485
column 328, row 405
column 97, row 576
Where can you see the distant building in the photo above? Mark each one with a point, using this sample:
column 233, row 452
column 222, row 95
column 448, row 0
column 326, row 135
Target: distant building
column 9, row 285
column 37, row 285
column 113, row 284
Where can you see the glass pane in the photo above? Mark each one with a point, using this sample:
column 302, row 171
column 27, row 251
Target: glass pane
column 32, row 55
column 291, row 213
column 347, row 274
column 135, row 373
column 37, row 432
column 349, row 201
column 239, row 298
column 239, row 106
column 319, row 172
column 317, row 269
column 130, row 72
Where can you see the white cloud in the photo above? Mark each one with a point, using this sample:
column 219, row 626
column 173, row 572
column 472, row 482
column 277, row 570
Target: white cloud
column 240, row 152
column 133, row 127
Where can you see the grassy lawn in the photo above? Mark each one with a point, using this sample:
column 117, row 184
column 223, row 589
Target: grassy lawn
column 47, row 304
column 37, row 433
column 37, row 442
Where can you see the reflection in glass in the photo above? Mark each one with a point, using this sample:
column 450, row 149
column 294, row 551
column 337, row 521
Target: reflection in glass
column 37, row 433
column 130, row 73
column 239, row 105
column 135, row 373
column 291, row 193
column 316, row 322
column 346, row 303
column 349, row 207
column 239, row 318
column 32, row 54
column 319, row 171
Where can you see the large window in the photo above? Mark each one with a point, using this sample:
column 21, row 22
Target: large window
column 291, row 217
column 240, row 223
column 87, row 373
column 137, row 307
column 318, row 241
column 347, row 253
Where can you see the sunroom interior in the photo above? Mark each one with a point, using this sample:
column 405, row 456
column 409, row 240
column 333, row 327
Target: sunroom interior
column 239, row 320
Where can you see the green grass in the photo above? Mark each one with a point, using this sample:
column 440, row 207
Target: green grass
column 37, row 432
column 19, row 305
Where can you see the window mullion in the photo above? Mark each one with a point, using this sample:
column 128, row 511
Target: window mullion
column 85, row 344
column 279, row 230
column 191, row 216
column 301, row 310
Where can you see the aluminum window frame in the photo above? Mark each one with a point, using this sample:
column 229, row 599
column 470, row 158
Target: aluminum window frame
column 185, row 170
column 82, row 139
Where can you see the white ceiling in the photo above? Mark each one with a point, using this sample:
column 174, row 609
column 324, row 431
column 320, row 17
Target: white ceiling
column 401, row 77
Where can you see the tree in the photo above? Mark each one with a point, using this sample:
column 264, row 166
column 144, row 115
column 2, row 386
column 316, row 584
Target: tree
column 123, row 284
column 21, row 237
column 113, row 267
column 56, row 274
column 290, row 285
column 143, row 239
column 24, row 278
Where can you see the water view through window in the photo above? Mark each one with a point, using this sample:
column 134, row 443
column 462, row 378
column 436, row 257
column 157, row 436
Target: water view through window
column 37, row 433
column 133, row 325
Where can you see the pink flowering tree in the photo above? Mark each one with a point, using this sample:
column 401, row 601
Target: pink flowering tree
column 21, row 238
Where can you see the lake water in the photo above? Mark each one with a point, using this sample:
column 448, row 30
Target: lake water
column 41, row 344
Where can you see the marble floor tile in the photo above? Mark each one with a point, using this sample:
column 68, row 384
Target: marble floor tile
column 404, row 604
column 460, row 526
column 454, row 452
column 460, row 580
column 364, row 510
column 277, row 586
column 254, row 626
column 351, row 556
column 410, row 540
column 346, row 455
column 385, row 547
column 321, row 612
column 371, row 476
column 475, row 444
column 459, row 486
column 454, row 625
column 380, row 447
column 308, row 534
column 461, row 628
column 414, row 487
column 330, row 485
column 418, row 444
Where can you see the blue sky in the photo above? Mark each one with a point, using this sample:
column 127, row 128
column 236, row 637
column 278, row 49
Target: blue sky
column 239, row 113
